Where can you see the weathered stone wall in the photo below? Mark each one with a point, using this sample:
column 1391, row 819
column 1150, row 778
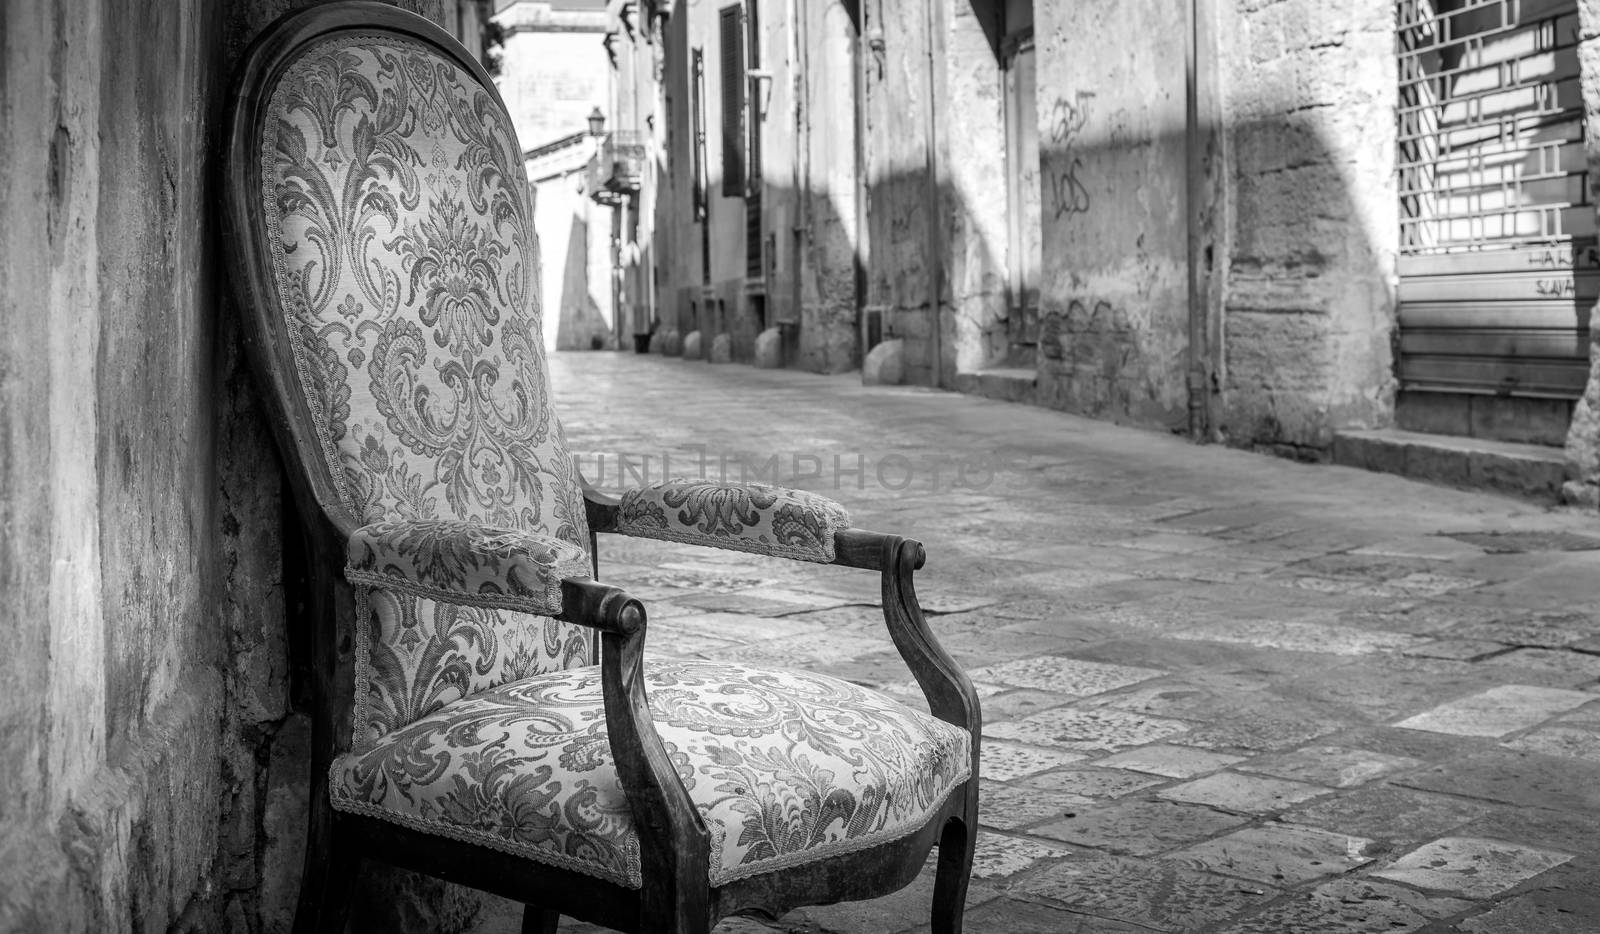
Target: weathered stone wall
column 156, row 766
column 971, row 123
column 113, row 699
column 1310, row 92
column 826, row 147
column 1113, row 159
column 906, row 272
column 553, row 70
column 1583, row 435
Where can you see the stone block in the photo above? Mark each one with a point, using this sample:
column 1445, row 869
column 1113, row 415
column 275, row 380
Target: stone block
column 1158, row 895
column 1497, row 711
column 1434, row 412
column 1138, row 827
column 1520, row 421
column 1437, row 464
column 1244, row 794
column 1064, row 675
column 691, row 346
column 1521, row 476
column 1279, row 854
column 885, row 365
column 769, row 349
column 997, row 856
column 1004, row 762
column 1170, row 761
column 1331, row 765
column 1090, row 730
column 721, row 349
column 1471, row 867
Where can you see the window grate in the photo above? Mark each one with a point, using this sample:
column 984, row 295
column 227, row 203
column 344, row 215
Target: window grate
column 1490, row 125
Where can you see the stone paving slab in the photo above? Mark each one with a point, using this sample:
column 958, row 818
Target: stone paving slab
column 1278, row 854
column 1157, row 895
column 1139, row 827
column 1070, row 676
column 1292, row 636
column 1256, row 687
column 1243, row 794
column 999, row 856
column 1005, row 807
column 1007, row 761
column 1170, row 761
column 1330, row 765
column 1470, row 867
column 1496, row 711
column 1349, row 906
column 1390, row 813
column 1087, row 729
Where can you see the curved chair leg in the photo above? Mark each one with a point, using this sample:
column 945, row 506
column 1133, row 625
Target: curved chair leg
column 536, row 920
column 329, row 876
column 956, row 843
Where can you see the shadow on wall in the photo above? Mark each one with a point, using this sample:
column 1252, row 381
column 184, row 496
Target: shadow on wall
column 1296, row 311
column 581, row 325
column 1296, row 314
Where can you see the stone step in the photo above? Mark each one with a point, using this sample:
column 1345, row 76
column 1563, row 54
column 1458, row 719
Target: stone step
column 1008, row 384
column 1532, row 471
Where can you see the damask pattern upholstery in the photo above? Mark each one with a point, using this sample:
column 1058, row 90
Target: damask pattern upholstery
column 749, row 517
column 406, row 262
column 784, row 767
column 465, row 563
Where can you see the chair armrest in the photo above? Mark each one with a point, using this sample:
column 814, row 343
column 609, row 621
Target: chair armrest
column 467, row 563
column 750, row 517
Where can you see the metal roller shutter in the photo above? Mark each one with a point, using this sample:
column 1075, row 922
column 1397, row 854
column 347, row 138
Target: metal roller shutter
column 1498, row 264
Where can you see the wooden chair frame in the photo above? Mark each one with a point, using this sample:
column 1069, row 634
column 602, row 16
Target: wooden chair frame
column 675, row 896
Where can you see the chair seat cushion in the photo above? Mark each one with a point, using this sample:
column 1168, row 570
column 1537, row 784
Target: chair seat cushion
column 785, row 767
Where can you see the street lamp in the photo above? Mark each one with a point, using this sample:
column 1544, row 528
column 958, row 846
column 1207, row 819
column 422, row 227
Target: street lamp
column 597, row 123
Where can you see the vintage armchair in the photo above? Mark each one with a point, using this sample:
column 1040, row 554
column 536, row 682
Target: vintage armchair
column 468, row 723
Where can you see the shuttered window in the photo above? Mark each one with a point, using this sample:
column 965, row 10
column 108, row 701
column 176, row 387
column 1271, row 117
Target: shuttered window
column 731, row 32
column 755, row 267
column 1497, row 232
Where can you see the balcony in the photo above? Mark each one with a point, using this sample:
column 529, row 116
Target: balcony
column 619, row 166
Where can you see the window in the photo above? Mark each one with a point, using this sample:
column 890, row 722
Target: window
column 731, row 32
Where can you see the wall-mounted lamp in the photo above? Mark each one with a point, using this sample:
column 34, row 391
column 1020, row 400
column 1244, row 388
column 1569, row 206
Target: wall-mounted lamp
column 597, row 123
column 760, row 88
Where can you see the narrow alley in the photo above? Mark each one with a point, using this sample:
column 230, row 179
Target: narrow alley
column 1222, row 692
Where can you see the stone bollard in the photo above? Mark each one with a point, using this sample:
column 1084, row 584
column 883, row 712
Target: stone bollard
column 672, row 346
column 769, row 349
column 885, row 365
column 658, row 342
column 722, row 349
column 691, row 346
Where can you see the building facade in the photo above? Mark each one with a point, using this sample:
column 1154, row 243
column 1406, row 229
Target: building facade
column 1262, row 224
column 555, row 77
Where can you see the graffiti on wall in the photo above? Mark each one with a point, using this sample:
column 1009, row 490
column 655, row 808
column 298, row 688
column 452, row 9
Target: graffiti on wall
column 1068, row 117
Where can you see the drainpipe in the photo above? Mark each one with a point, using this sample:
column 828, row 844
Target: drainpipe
column 935, row 254
column 1199, row 395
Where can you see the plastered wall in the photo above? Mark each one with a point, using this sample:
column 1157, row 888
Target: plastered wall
column 156, row 765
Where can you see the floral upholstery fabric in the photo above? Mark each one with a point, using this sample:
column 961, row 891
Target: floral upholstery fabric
column 466, row 563
column 784, row 767
column 750, row 517
column 407, row 266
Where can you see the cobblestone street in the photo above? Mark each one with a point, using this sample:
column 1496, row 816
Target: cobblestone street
column 1223, row 692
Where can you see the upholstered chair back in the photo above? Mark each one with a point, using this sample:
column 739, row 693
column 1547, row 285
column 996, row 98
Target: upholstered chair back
column 406, row 269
